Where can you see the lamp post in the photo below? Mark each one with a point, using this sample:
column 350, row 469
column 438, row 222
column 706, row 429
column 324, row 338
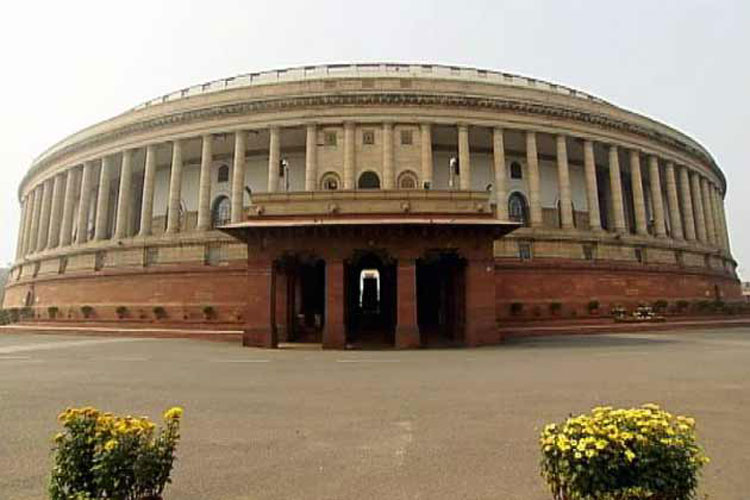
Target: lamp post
column 284, row 172
column 453, row 171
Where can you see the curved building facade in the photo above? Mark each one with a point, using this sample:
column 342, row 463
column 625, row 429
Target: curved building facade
column 405, row 203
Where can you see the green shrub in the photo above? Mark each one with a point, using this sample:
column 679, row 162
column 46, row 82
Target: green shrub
column 52, row 312
column 100, row 455
column 209, row 312
column 682, row 305
column 87, row 311
column 27, row 313
column 555, row 307
column 622, row 454
column 593, row 305
column 660, row 305
column 121, row 311
column 160, row 312
column 516, row 308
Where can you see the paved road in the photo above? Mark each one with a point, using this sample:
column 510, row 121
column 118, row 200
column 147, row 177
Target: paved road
column 439, row 424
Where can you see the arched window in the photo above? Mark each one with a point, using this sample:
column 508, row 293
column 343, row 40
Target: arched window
column 221, row 211
column 330, row 182
column 516, row 172
column 518, row 208
column 368, row 180
column 407, row 180
column 223, row 174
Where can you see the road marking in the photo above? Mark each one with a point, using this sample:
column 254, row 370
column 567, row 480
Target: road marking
column 126, row 359
column 368, row 360
column 241, row 360
column 3, row 358
column 63, row 344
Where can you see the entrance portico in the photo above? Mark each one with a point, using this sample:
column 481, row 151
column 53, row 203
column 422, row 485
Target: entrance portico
column 388, row 281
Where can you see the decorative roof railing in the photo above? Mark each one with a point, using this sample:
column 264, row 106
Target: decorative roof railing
column 367, row 70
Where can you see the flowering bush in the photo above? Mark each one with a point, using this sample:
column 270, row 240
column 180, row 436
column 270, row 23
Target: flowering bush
column 617, row 454
column 100, row 455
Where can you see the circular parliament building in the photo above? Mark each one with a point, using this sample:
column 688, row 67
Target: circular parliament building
column 390, row 204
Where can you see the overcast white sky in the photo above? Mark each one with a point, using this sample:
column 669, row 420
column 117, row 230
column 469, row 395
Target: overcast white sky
column 67, row 65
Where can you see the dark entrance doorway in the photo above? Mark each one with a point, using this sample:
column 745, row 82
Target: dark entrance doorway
column 370, row 290
column 441, row 298
column 300, row 298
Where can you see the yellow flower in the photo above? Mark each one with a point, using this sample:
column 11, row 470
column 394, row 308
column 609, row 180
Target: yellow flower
column 174, row 413
column 629, row 455
column 110, row 445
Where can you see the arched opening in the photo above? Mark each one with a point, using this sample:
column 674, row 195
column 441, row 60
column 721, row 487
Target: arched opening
column 330, row 181
column 407, row 180
column 518, row 208
column 300, row 298
column 28, row 301
column 368, row 180
column 370, row 310
column 221, row 211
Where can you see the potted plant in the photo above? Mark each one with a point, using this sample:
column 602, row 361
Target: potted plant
column 633, row 454
column 516, row 308
column 122, row 312
column 160, row 312
column 555, row 308
column 87, row 311
column 593, row 307
column 52, row 312
column 209, row 312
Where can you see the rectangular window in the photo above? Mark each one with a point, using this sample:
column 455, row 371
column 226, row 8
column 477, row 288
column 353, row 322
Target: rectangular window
column 639, row 255
column 524, row 250
column 329, row 138
column 589, row 251
column 368, row 137
column 407, row 138
column 150, row 256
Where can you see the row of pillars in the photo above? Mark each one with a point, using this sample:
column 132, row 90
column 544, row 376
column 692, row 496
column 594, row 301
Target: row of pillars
column 48, row 210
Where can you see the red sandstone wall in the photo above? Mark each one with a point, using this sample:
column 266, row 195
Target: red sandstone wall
column 536, row 285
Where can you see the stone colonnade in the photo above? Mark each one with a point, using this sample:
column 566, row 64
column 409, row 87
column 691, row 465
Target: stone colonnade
column 693, row 201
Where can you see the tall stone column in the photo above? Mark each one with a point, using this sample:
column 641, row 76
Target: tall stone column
column 21, row 228
column 334, row 333
column 718, row 231
column 615, row 187
column 101, row 229
column 71, row 192
column 639, row 204
column 532, row 162
column 725, row 227
column 708, row 213
column 349, row 158
column 311, row 158
column 656, row 197
column 55, row 218
column 673, row 201
column 687, row 205
column 563, row 182
column 592, row 188
column 175, row 189
column 501, row 177
column 204, row 184
column 425, row 134
column 147, row 201
column 30, row 204
column 700, row 218
column 238, row 176
column 388, row 167
column 407, row 330
column 36, row 217
column 87, row 181
column 464, row 158
column 124, row 195
column 43, row 238
column 274, row 157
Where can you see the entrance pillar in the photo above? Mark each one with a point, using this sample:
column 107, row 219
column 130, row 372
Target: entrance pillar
column 281, row 320
column 480, row 303
column 334, row 333
column 261, row 295
column 407, row 330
